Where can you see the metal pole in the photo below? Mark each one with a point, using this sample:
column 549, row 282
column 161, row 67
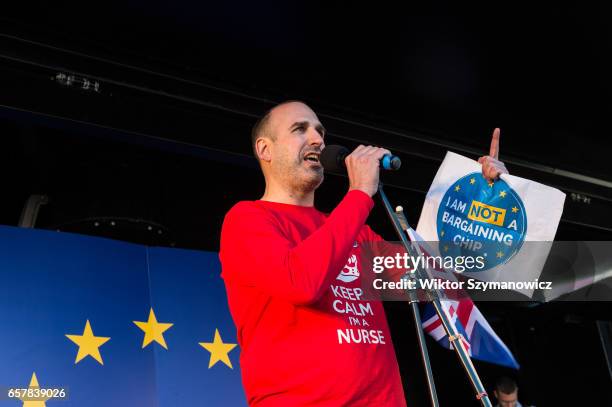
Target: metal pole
column 433, row 395
column 455, row 338
column 29, row 213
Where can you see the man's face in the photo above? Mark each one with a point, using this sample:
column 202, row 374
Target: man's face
column 295, row 150
column 506, row 400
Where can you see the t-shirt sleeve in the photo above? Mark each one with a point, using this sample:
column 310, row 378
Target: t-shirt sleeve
column 255, row 251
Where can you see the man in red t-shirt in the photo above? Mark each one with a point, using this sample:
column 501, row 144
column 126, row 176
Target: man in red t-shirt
column 308, row 336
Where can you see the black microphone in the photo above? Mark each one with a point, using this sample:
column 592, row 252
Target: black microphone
column 332, row 158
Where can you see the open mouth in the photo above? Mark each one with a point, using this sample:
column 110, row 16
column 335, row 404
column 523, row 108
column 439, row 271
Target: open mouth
column 312, row 157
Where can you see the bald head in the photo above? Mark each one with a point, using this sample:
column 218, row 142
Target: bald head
column 264, row 127
column 287, row 142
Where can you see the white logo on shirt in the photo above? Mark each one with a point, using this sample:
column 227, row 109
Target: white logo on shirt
column 350, row 272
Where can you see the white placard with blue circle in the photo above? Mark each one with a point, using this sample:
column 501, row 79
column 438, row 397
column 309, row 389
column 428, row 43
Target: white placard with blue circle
column 468, row 215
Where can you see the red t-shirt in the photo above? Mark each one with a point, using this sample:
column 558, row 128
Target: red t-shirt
column 307, row 335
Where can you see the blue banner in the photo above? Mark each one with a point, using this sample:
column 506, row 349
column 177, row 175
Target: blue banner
column 113, row 323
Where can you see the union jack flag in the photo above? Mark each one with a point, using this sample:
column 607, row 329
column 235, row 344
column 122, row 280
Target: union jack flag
column 477, row 335
column 479, row 338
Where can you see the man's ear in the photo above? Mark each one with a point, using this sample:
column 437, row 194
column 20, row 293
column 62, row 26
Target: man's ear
column 263, row 147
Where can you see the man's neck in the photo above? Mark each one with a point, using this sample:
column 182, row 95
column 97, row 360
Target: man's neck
column 281, row 195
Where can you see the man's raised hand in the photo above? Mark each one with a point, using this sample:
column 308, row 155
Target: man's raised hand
column 491, row 166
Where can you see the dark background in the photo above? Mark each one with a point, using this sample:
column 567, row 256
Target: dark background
column 160, row 150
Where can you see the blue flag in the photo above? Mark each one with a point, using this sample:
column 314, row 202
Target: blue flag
column 113, row 323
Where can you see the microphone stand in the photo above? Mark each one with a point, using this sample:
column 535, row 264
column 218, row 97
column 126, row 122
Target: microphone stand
column 454, row 337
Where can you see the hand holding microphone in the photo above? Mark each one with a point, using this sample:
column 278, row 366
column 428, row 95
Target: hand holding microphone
column 362, row 165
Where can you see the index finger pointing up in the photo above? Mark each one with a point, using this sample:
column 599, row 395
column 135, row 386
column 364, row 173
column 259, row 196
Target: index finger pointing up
column 494, row 150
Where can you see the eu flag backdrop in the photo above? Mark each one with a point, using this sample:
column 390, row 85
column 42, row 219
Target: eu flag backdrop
column 114, row 323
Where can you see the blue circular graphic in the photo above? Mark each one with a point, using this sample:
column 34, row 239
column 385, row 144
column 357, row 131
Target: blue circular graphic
column 477, row 218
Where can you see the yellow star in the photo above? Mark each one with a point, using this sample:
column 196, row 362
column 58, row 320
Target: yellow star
column 442, row 233
column 445, row 248
column 490, row 184
column 515, row 209
column 502, row 194
column 218, row 350
column 88, row 344
column 472, row 181
column 34, row 401
column 500, row 254
column 457, row 188
column 154, row 331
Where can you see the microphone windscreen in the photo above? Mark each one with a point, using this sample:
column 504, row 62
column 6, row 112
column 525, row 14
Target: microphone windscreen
column 332, row 158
